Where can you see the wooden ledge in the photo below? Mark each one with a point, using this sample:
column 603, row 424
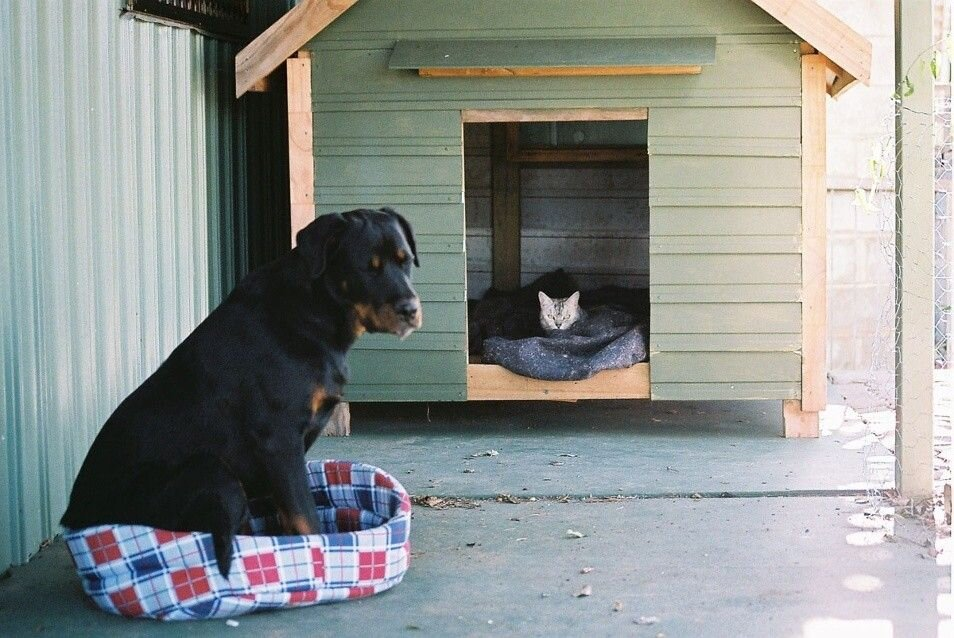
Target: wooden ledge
column 489, row 382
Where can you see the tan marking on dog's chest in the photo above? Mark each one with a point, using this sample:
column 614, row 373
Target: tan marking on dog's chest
column 318, row 396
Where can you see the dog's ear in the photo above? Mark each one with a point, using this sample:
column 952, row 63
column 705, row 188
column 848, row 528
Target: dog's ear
column 406, row 229
column 317, row 241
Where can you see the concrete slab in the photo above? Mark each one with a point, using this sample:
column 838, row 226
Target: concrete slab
column 614, row 447
column 709, row 567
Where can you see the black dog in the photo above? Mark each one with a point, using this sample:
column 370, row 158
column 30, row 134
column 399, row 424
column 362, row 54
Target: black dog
column 229, row 415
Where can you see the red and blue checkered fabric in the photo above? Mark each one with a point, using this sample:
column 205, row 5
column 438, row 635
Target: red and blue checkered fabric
column 144, row 572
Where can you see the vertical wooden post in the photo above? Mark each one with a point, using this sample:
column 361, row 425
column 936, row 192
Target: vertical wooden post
column 301, row 181
column 801, row 417
column 914, row 250
column 505, row 207
column 301, row 161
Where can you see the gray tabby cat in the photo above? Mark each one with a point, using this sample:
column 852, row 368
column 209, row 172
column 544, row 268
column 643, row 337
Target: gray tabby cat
column 560, row 314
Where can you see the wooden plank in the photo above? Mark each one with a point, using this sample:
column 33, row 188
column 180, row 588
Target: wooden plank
column 725, row 367
column 407, row 367
column 406, row 392
column 553, row 115
column 487, row 382
column 556, row 72
column 724, row 391
column 725, row 172
column 715, row 220
column 725, row 269
column 717, row 244
column 663, row 195
column 726, row 293
column 636, row 156
column 726, row 342
column 505, row 208
column 826, row 33
column 768, row 123
column 549, row 54
column 914, row 249
column 814, row 235
column 750, row 318
column 287, row 35
column 797, row 423
column 301, row 163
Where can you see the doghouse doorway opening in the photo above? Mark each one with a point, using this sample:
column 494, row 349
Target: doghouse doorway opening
column 556, row 189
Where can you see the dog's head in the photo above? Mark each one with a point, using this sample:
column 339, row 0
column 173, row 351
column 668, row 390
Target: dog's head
column 364, row 258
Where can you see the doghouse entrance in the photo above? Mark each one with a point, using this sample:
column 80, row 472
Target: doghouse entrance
column 551, row 190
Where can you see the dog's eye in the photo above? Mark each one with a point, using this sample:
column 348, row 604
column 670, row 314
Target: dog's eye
column 376, row 264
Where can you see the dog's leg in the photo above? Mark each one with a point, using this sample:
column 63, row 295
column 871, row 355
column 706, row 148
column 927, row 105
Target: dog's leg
column 203, row 495
column 288, row 480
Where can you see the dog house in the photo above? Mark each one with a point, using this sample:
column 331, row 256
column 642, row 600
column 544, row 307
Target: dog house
column 712, row 114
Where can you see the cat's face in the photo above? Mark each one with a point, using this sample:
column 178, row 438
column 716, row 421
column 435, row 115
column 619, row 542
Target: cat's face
column 559, row 314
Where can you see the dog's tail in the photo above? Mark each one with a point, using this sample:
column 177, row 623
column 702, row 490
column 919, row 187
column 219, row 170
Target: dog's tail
column 208, row 497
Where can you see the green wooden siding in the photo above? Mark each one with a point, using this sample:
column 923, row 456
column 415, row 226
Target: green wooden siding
column 724, row 148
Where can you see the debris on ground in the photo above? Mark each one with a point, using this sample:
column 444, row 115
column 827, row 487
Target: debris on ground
column 618, row 605
column 647, row 620
column 444, row 502
column 507, row 498
column 586, row 570
column 586, row 591
column 485, row 453
column 572, row 533
column 696, row 496
column 568, row 455
column 232, row 623
column 557, row 463
column 947, row 502
column 469, row 470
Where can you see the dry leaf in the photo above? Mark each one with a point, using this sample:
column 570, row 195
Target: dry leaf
column 586, row 570
column 586, row 591
column 618, row 606
column 572, row 533
column 646, row 620
column 485, row 453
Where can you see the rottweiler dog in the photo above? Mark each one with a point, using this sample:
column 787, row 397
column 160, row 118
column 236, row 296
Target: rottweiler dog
column 229, row 415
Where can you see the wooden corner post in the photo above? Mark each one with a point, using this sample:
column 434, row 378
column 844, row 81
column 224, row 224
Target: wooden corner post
column 301, row 181
column 801, row 416
column 301, row 160
column 914, row 251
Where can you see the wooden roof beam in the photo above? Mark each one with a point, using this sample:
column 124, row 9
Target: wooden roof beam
column 830, row 36
column 280, row 41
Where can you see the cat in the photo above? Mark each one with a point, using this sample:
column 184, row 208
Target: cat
column 560, row 314
column 514, row 314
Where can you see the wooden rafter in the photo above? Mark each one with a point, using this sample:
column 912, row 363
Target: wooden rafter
column 831, row 37
column 849, row 52
column 280, row 41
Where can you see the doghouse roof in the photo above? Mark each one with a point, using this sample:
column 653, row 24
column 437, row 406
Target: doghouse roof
column 847, row 52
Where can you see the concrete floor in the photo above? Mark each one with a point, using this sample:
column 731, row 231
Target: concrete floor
column 782, row 539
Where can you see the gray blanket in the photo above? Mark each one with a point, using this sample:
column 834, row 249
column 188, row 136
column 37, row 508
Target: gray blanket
column 605, row 339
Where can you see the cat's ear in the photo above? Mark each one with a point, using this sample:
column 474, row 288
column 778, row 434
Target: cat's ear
column 545, row 301
column 574, row 299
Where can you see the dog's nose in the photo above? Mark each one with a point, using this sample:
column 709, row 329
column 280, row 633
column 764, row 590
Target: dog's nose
column 407, row 308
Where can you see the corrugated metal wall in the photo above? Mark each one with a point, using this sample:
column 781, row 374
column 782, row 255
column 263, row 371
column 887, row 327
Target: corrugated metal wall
column 123, row 218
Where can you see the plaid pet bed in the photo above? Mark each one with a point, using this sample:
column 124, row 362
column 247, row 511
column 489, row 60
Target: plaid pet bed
column 144, row 572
